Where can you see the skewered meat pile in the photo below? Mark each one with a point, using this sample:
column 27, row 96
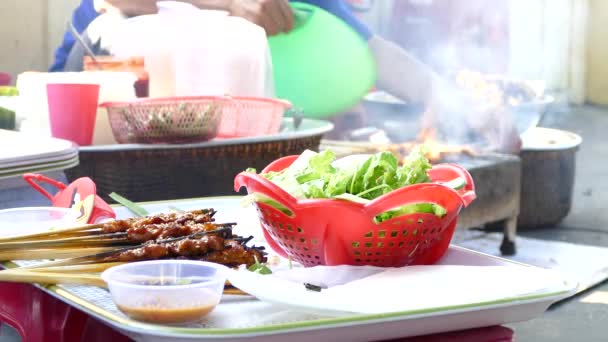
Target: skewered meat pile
column 229, row 252
column 191, row 235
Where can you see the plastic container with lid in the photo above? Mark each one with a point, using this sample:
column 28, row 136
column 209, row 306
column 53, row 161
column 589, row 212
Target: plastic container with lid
column 192, row 52
column 31, row 220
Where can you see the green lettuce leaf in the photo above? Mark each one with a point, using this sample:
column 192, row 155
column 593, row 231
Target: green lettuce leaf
column 357, row 178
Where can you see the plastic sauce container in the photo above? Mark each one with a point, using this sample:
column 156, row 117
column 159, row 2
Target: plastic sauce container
column 133, row 64
column 166, row 291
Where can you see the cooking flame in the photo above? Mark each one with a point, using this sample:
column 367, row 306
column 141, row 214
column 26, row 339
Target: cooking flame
column 436, row 150
column 479, row 88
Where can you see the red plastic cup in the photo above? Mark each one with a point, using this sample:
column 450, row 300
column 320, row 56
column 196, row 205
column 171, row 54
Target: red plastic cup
column 5, row 79
column 72, row 111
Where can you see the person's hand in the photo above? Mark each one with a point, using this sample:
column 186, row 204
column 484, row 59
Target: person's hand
column 128, row 7
column 275, row 16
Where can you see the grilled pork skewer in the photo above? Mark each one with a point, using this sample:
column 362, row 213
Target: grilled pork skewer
column 113, row 254
column 208, row 248
column 193, row 216
column 189, row 217
column 156, row 226
column 134, row 235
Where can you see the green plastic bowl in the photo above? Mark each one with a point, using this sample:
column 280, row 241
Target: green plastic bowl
column 323, row 67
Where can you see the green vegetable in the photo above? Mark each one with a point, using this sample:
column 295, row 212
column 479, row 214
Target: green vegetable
column 259, row 268
column 359, row 178
column 430, row 208
column 7, row 119
column 256, row 197
column 8, row 91
column 133, row 207
column 183, row 282
column 176, row 209
column 457, row 183
column 319, row 175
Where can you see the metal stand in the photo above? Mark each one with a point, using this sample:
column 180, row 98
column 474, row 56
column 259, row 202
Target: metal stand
column 507, row 247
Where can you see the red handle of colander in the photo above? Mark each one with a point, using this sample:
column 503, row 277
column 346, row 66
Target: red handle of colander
column 280, row 164
column 31, row 178
column 442, row 173
column 256, row 183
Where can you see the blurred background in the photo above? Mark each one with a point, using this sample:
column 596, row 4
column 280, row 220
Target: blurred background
column 544, row 59
column 558, row 41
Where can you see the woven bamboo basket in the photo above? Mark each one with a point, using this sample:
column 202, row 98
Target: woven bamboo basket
column 163, row 172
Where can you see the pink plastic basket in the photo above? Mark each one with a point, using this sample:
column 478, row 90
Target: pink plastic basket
column 337, row 232
column 249, row 116
column 166, row 120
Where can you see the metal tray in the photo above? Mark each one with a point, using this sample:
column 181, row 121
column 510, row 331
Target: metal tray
column 240, row 318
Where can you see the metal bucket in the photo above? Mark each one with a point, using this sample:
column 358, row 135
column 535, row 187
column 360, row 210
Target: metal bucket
column 548, row 169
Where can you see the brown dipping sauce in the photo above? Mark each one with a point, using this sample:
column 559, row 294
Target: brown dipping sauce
column 166, row 315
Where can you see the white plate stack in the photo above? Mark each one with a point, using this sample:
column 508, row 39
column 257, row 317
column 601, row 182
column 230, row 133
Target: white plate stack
column 24, row 153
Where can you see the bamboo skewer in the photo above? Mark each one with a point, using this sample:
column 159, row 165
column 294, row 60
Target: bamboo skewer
column 51, row 232
column 89, row 233
column 52, row 253
column 82, row 250
column 68, row 244
column 235, row 292
column 86, row 242
column 61, row 275
column 90, row 229
column 91, row 240
column 87, row 268
column 21, row 276
column 113, row 251
column 352, row 144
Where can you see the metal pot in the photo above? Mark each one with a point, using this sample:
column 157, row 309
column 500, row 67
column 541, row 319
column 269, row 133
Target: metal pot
column 400, row 120
column 528, row 114
column 548, row 167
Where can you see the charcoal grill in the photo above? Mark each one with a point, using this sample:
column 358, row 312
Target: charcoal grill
column 498, row 187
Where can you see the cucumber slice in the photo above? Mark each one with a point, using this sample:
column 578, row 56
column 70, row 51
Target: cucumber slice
column 429, row 208
column 456, row 184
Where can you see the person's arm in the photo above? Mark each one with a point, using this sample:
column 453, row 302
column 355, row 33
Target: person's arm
column 400, row 74
column 82, row 16
column 341, row 10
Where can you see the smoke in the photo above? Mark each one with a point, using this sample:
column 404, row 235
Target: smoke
column 478, row 41
column 473, row 111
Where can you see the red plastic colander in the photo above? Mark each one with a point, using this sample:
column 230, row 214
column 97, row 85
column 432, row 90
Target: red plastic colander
column 337, row 232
